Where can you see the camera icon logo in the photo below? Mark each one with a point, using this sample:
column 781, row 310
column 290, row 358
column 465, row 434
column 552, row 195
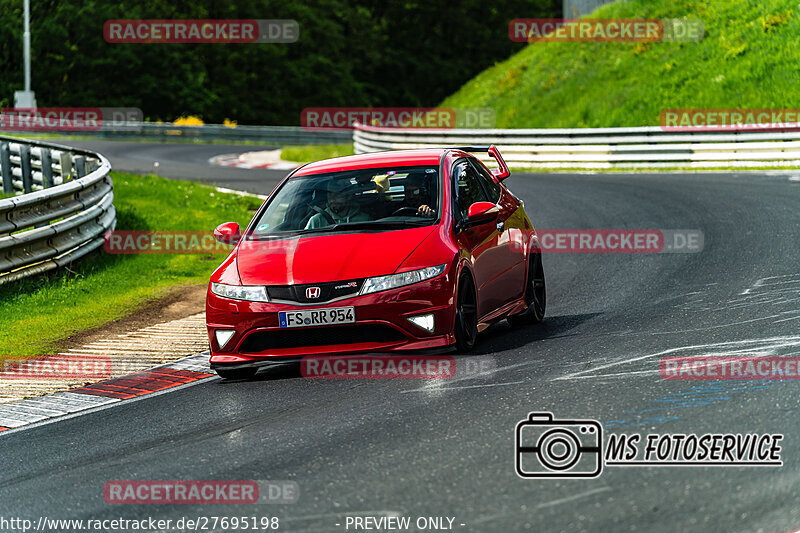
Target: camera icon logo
column 548, row 448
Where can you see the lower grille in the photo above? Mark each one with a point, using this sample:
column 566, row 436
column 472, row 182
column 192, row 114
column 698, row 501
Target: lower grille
column 261, row 341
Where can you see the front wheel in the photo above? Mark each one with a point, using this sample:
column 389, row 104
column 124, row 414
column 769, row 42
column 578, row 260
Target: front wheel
column 236, row 373
column 535, row 294
column 466, row 326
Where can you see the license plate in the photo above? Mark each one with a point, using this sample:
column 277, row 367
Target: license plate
column 317, row 317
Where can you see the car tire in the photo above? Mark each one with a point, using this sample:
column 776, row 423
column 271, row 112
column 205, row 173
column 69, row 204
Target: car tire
column 236, row 373
column 535, row 294
column 466, row 320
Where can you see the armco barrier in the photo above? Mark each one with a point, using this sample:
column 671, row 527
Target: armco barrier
column 603, row 148
column 56, row 206
column 278, row 135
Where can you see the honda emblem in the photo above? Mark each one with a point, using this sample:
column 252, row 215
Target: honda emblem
column 312, row 292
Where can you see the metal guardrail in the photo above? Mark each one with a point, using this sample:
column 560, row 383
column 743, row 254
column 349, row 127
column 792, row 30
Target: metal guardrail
column 58, row 206
column 604, row 148
column 279, row 135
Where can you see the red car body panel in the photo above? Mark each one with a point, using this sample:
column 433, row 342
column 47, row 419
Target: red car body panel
column 495, row 255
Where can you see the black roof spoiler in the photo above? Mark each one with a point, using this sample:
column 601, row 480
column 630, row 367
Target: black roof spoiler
column 474, row 148
column 500, row 173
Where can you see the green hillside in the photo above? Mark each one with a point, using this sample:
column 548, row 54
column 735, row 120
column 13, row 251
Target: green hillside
column 748, row 58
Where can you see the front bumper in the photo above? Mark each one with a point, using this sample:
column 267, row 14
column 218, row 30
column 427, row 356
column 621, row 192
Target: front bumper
column 381, row 325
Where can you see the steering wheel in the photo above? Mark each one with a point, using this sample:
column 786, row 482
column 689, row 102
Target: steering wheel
column 321, row 211
column 405, row 208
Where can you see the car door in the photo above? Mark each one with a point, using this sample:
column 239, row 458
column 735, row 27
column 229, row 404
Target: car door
column 479, row 241
column 510, row 250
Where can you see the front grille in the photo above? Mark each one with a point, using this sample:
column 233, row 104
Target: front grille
column 261, row 341
column 328, row 291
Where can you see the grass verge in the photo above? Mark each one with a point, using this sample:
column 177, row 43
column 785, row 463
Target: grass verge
column 39, row 313
column 743, row 61
column 315, row 152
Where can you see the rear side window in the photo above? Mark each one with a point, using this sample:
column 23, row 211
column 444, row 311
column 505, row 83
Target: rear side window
column 492, row 187
column 468, row 188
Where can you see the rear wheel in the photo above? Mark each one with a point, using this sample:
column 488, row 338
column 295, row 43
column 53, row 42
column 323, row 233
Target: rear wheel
column 236, row 373
column 466, row 326
column 535, row 294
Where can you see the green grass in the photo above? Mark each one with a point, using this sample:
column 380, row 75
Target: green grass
column 39, row 313
column 747, row 59
column 315, row 152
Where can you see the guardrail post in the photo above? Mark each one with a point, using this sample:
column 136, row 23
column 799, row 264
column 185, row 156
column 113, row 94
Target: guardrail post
column 80, row 166
column 5, row 169
column 66, row 166
column 25, row 165
column 47, row 168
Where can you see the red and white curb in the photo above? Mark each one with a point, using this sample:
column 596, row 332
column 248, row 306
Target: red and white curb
column 120, row 355
column 241, row 193
column 60, row 404
column 264, row 159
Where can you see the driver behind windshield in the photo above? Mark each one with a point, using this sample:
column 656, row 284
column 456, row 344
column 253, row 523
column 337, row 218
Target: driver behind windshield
column 416, row 194
column 341, row 206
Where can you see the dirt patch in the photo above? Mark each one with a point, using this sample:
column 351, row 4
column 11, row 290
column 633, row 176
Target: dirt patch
column 179, row 302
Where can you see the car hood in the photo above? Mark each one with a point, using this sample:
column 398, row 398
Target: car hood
column 327, row 257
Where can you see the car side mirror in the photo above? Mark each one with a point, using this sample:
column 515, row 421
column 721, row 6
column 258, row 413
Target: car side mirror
column 481, row 213
column 228, row 233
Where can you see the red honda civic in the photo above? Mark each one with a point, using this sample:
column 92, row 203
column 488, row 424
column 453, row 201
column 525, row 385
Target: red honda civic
column 382, row 252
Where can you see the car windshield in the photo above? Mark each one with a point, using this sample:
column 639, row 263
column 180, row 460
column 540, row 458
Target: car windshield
column 387, row 198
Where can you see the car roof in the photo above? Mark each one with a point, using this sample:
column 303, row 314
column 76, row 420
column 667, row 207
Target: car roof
column 425, row 156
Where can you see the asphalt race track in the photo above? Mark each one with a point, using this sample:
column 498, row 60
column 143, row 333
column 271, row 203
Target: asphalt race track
column 446, row 447
column 186, row 161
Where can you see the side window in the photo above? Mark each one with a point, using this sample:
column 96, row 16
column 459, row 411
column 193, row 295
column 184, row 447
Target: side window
column 492, row 187
column 468, row 188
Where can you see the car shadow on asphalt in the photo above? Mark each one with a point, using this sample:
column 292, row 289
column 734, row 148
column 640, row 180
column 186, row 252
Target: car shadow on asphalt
column 502, row 336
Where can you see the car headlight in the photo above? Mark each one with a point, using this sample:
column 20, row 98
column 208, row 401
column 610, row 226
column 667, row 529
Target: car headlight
column 251, row 293
column 392, row 281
